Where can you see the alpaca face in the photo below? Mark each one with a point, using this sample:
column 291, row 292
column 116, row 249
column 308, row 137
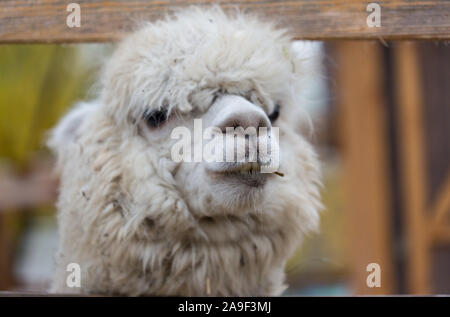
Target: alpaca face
column 231, row 73
column 194, row 76
column 241, row 143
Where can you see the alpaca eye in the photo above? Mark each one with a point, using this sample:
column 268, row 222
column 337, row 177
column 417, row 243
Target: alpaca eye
column 155, row 118
column 215, row 97
column 275, row 113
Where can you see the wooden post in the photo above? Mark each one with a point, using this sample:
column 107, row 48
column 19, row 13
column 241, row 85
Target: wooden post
column 441, row 208
column 362, row 111
column 5, row 264
column 411, row 139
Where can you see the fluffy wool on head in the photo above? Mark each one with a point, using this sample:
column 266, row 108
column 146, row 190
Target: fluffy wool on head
column 139, row 223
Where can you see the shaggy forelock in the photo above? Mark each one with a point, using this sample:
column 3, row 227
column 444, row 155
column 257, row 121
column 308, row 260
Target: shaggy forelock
column 184, row 59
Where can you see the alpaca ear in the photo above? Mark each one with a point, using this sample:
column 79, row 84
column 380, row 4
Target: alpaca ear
column 307, row 57
column 68, row 129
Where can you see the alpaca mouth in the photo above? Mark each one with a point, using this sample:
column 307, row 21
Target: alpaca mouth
column 242, row 173
column 251, row 178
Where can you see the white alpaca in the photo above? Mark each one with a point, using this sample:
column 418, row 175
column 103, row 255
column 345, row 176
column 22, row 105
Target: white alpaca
column 139, row 223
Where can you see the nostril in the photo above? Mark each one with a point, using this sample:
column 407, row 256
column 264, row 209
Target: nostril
column 230, row 123
column 264, row 123
column 244, row 121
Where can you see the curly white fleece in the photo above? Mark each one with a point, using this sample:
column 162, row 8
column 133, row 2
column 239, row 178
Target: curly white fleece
column 140, row 224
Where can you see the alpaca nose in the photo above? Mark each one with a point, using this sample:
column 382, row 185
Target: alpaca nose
column 247, row 134
column 237, row 112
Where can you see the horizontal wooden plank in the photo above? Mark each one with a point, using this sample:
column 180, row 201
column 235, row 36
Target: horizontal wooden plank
column 37, row 188
column 101, row 21
column 441, row 206
column 42, row 294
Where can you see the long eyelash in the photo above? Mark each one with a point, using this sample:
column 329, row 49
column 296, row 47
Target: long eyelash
column 275, row 113
column 215, row 97
column 154, row 118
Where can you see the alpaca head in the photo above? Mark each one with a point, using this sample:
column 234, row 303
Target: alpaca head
column 227, row 70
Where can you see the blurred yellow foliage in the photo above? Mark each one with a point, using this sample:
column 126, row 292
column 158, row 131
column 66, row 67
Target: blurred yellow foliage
column 37, row 84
